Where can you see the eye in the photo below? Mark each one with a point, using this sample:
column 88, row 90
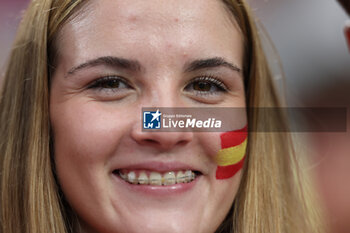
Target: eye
column 206, row 85
column 113, row 83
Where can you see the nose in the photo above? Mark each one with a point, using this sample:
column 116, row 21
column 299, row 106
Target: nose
column 162, row 141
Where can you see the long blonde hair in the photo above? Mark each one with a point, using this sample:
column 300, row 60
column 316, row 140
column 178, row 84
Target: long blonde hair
column 271, row 196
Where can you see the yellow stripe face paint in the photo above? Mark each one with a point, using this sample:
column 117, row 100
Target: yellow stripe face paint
column 231, row 155
column 230, row 158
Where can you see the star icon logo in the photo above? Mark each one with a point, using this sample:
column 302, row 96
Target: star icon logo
column 156, row 115
column 151, row 119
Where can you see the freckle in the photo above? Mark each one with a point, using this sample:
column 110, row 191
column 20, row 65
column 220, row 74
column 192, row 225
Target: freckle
column 176, row 19
column 132, row 18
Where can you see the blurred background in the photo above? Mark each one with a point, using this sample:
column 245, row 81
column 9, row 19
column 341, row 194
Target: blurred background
column 308, row 35
column 10, row 15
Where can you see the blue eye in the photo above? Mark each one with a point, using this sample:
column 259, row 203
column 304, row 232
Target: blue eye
column 206, row 85
column 109, row 82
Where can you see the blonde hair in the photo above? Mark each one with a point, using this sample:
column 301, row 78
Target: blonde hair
column 271, row 196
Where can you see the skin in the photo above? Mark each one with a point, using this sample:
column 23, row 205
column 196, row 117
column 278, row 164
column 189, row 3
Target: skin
column 331, row 159
column 98, row 129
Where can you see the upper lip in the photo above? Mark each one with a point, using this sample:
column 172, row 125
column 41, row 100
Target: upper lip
column 159, row 166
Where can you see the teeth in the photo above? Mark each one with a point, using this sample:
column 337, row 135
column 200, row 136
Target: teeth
column 123, row 175
column 143, row 178
column 169, row 178
column 132, row 177
column 188, row 176
column 155, row 178
column 180, row 177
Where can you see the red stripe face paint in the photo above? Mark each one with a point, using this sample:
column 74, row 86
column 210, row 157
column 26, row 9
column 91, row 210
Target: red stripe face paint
column 225, row 172
column 233, row 138
column 230, row 158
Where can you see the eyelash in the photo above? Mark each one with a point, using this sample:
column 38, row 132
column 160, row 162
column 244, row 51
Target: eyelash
column 114, row 80
column 211, row 80
column 108, row 80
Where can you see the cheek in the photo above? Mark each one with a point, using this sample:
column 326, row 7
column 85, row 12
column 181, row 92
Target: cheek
column 82, row 131
column 230, row 158
column 85, row 136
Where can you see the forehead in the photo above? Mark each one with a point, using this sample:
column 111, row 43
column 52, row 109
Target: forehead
column 190, row 25
column 153, row 12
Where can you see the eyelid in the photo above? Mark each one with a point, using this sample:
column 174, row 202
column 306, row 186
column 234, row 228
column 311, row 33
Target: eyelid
column 105, row 78
column 211, row 79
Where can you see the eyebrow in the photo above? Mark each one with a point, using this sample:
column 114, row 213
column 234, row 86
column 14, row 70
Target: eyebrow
column 134, row 65
column 210, row 63
column 109, row 61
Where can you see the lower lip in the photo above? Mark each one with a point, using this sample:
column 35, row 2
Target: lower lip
column 157, row 190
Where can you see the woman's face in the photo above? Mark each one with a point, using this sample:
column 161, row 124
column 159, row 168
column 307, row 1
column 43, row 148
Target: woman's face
column 116, row 57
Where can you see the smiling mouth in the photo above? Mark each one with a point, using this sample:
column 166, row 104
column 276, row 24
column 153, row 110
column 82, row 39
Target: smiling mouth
column 145, row 177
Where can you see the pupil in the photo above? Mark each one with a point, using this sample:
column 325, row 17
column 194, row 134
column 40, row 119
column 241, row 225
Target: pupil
column 113, row 84
column 202, row 86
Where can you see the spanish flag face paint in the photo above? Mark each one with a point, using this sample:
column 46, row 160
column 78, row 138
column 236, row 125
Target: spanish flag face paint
column 230, row 158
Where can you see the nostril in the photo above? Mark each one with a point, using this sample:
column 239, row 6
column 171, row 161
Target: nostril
column 161, row 140
column 182, row 142
column 151, row 141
